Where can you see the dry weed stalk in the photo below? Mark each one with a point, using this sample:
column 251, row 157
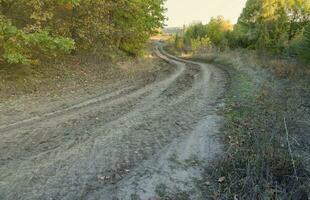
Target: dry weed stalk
column 290, row 149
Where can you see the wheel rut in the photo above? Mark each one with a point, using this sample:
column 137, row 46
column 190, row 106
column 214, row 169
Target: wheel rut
column 120, row 144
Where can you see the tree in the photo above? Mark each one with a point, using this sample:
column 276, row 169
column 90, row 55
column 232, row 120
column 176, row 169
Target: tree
column 134, row 21
column 18, row 46
column 199, row 35
column 271, row 24
column 217, row 29
column 178, row 42
column 54, row 26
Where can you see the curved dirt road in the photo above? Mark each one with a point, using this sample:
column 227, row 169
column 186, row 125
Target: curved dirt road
column 133, row 142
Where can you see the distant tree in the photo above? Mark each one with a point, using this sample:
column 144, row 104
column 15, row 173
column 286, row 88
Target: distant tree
column 178, row 42
column 271, row 24
column 278, row 26
column 199, row 43
column 199, row 35
column 217, row 29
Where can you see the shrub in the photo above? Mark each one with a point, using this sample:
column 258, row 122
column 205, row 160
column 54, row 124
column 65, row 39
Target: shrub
column 20, row 47
column 199, row 43
column 304, row 51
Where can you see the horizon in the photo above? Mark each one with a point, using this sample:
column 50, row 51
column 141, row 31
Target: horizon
column 204, row 10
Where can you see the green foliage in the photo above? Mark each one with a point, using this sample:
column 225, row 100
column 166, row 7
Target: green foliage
column 217, row 29
column 17, row 46
column 199, row 43
column 32, row 28
column 193, row 33
column 304, row 51
column 198, row 35
column 276, row 26
column 179, row 42
column 135, row 21
column 270, row 24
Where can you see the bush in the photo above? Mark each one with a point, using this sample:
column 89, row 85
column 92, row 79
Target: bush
column 19, row 47
column 304, row 51
column 199, row 35
column 199, row 43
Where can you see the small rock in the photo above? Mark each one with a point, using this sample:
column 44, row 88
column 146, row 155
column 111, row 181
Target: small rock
column 103, row 178
column 222, row 179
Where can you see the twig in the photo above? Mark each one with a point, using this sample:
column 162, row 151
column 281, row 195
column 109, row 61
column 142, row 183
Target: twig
column 290, row 149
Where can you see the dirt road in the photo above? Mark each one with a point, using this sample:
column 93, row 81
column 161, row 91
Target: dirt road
column 128, row 142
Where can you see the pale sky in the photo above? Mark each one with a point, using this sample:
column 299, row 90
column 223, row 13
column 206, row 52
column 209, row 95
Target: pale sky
column 182, row 12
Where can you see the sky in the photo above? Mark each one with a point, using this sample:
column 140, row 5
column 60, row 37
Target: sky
column 182, row 12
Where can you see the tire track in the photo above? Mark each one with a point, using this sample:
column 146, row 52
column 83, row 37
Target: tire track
column 88, row 150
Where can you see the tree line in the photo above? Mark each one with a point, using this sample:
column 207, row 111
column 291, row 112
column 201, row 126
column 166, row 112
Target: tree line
column 278, row 26
column 31, row 30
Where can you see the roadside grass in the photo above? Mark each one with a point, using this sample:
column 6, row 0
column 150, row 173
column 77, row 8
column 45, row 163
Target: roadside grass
column 266, row 130
column 257, row 163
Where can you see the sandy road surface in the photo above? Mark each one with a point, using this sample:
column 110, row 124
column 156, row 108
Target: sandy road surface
column 129, row 143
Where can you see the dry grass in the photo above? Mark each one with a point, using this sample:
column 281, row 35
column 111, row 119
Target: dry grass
column 263, row 155
column 280, row 67
column 258, row 163
column 71, row 74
